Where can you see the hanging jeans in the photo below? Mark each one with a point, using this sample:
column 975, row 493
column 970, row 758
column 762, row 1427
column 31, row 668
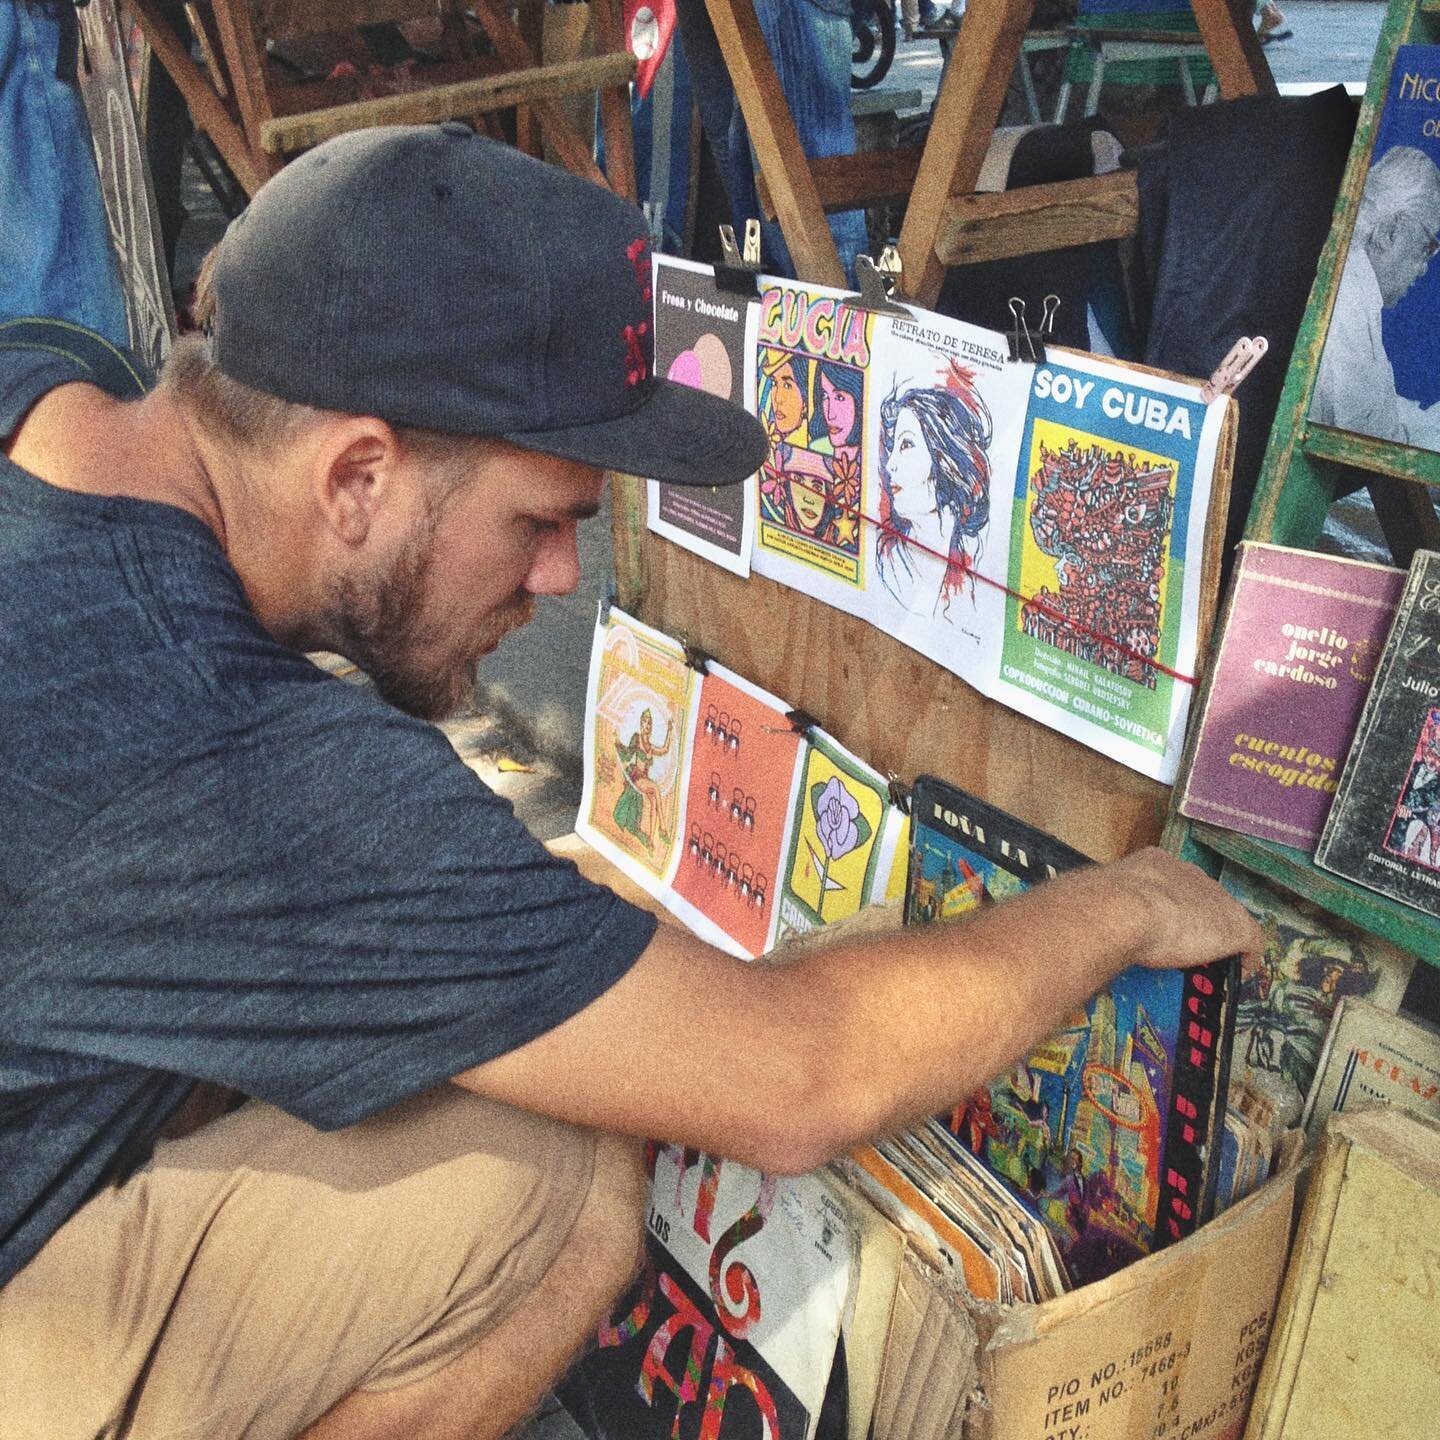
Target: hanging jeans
column 55, row 253
column 810, row 44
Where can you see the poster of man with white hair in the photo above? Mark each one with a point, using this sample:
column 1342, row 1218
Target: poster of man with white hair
column 1378, row 373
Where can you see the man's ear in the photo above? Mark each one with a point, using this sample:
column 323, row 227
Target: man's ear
column 355, row 474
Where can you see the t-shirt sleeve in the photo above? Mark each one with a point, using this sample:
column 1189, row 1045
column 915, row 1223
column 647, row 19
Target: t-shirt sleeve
column 326, row 910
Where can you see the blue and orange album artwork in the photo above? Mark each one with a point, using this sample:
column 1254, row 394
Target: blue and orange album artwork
column 1104, row 1129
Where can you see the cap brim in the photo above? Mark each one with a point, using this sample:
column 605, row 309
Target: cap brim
column 680, row 435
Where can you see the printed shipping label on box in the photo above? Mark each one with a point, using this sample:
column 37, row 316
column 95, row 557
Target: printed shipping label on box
column 1168, row 1349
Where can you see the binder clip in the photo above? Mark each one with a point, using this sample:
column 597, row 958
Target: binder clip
column 608, row 601
column 654, row 212
column 739, row 271
column 899, row 793
column 1244, row 355
column 1023, row 349
column 877, row 284
column 801, row 722
column 698, row 659
column 1047, row 321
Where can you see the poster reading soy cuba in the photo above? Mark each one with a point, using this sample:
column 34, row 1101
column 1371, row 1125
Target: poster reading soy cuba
column 1111, row 496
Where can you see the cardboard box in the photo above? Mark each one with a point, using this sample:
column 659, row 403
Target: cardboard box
column 1168, row 1349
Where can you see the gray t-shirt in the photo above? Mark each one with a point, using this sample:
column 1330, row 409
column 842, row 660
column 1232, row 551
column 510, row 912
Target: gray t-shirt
column 218, row 863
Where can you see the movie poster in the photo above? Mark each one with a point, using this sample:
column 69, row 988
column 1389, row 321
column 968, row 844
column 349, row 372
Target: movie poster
column 737, row 814
column 731, row 1332
column 834, row 858
column 1106, row 547
column 637, row 724
column 946, row 412
column 704, row 337
column 809, row 387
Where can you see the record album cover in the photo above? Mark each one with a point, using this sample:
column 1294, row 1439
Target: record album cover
column 1107, row 1129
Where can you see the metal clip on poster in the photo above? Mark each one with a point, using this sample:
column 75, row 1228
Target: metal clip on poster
column 877, row 284
column 1047, row 319
column 698, row 660
column 801, row 722
column 738, row 271
column 899, row 793
column 608, row 601
column 1244, row 355
column 1023, row 349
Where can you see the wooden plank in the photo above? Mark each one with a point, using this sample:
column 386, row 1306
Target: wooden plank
column 1293, row 870
column 294, row 97
column 966, row 111
column 777, row 144
column 615, row 103
column 245, row 60
column 569, row 146
column 530, row 16
column 1038, row 218
column 206, row 107
column 848, row 182
column 1234, row 47
column 274, row 18
column 1405, row 462
column 897, row 708
column 289, row 133
column 628, row 529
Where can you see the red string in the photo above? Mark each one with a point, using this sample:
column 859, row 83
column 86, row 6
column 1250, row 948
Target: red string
column 1062, row 620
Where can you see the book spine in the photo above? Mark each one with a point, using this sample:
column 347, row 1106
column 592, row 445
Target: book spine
column 1374, row 706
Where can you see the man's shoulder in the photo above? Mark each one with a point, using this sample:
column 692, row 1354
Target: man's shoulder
column 38, row 355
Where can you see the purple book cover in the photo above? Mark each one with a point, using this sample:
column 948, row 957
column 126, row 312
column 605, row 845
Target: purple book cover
column 1302, row 636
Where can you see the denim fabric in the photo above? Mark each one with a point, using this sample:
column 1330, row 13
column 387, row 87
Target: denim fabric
column 55, row 252
column 810, row 44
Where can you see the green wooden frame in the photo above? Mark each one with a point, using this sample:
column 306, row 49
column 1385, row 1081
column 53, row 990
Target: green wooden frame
column 1303, row 464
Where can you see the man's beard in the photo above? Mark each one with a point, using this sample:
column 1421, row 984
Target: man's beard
column 377, row 625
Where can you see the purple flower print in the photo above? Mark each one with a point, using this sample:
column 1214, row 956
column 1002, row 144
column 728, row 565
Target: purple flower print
column 836, row 811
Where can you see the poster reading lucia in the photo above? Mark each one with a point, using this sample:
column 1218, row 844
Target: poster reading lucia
column 812, row 359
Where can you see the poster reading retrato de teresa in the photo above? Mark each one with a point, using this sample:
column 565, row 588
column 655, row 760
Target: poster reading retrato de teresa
column 703, row 338
column 1106, row 542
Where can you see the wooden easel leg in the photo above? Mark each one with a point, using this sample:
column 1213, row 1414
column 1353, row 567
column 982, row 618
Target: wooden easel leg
column 971, row 96
column 776, row 141
column 615, row 123
column 1234, row 47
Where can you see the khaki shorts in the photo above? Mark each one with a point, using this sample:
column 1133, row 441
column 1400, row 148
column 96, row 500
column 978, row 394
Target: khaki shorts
column 258, row 1271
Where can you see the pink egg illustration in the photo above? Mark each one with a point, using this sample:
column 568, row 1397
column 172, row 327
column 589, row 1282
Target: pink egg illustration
column 685, row 369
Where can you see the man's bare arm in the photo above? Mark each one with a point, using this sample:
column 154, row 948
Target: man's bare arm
column 784, row 1066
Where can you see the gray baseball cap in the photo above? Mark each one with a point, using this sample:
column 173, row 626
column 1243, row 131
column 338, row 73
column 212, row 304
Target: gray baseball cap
column 430, row 276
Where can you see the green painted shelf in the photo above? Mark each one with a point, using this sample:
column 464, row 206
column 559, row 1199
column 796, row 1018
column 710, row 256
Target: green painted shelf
column 1294, row 871
column 1303, row 466
column 1360, row 452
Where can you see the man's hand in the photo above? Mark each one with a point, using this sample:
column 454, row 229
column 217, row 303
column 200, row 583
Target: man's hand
column 1193, row 919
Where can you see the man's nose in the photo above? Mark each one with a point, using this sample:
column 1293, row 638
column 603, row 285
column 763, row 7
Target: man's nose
column 556, row 569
